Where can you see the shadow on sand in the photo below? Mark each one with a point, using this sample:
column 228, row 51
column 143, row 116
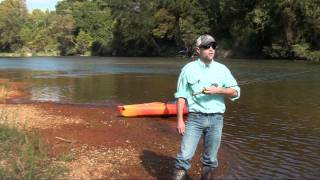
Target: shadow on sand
column 158, row 165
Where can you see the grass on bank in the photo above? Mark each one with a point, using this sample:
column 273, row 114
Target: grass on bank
column 23, row 155
column 3, row 92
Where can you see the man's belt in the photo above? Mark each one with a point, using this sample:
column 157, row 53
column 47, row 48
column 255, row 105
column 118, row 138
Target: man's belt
column 206, row 114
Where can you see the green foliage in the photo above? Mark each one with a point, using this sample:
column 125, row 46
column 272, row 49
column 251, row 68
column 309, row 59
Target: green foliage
column 259, row 19
column 13, row 15
column 24, row 156
column 36, row 35
column 133, row 28
column 192, row 23
column 276, row 51
column 62, row 27
column 303, row 51
column 84, row 42
column 96, row 21
column 276, row 29
column 164, row 24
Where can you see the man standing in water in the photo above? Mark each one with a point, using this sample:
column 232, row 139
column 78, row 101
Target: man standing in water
column 202, row 84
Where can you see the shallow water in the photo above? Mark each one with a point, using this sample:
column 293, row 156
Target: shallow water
column 271, row 132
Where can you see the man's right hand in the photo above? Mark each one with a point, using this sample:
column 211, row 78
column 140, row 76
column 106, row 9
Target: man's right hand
column 181, row 127
column 180, row 123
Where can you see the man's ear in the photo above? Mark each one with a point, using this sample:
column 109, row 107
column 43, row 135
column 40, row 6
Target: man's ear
column 197, row 50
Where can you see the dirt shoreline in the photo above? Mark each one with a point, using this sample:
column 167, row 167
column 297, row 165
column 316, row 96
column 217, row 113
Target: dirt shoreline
column 105, row 145
column 99, row 143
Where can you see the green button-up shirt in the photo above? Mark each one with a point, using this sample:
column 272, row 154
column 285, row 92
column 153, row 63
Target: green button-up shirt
column 197, row 75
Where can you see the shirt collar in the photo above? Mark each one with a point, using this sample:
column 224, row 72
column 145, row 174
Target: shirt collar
column 203, row 65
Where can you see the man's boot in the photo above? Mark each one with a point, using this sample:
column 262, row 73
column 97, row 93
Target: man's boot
column 206, row 173
column 179, row 174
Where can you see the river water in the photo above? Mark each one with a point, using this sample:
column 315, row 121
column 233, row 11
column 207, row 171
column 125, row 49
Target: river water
column 272, row 131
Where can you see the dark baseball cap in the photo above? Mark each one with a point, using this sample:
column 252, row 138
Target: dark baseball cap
column 205, row 40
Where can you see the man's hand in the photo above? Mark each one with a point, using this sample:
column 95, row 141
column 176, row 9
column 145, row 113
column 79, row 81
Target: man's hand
column 212, row 90
column 220, row 90
column 180, row 123
column 181, row 127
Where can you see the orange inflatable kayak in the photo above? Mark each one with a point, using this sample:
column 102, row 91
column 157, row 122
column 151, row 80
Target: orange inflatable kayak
column 150, row 109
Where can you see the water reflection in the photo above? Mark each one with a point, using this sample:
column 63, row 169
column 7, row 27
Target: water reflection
column 125, row 88
column 93, row 65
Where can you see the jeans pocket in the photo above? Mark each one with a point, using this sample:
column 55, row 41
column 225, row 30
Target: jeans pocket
column 193, row 116
column 218, row 117
column 217, row 121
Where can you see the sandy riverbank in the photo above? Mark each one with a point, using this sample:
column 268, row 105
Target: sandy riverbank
column 102, row 144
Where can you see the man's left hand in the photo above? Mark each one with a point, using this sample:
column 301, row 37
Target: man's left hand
column 220, row 90
column 212, row 90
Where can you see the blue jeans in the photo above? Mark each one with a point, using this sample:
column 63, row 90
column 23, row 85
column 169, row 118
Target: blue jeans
column 210, row 126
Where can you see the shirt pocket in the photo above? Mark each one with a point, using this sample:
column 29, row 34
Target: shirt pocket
column 216, row 81
column 194, row 84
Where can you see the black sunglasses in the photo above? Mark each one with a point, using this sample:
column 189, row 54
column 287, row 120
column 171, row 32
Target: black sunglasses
column 213, row 45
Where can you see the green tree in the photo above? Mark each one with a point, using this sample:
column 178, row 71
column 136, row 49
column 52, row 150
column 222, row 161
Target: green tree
column 133, row 28
column 83, row 42
column 164, row 24
column 35, row 33
column 266, row 28
column 297, row 27
column 192, row 21
column 95, row 20
column 152, row 27
column 13, row 15
column 62, row 28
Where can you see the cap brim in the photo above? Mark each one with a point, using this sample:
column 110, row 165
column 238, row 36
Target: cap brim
column 207, row 43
